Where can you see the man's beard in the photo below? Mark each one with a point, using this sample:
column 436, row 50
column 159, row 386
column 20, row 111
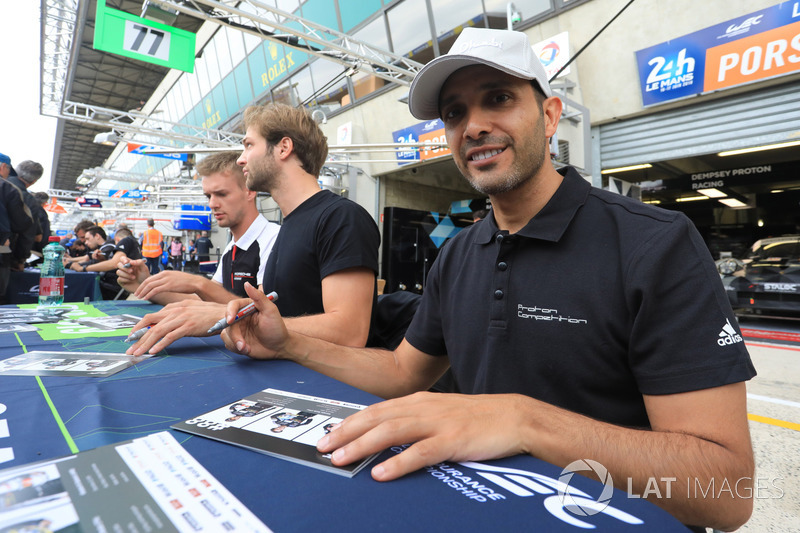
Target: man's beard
column 263, row 176
column 520, row 173
column 529, row 158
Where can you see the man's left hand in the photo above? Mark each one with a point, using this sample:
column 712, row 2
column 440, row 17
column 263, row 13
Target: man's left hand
column 442, row 427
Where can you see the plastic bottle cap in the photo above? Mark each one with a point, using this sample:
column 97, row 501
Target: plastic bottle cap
column 54, row 238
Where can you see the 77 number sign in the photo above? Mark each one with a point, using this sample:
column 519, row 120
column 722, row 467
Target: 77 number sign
column 127, row 35
column 146, row 40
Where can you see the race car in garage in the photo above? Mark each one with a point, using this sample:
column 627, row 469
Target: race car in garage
column 767, row 279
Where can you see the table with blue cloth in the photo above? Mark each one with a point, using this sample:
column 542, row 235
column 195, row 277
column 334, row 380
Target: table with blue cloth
column 46, row 417
column 23, row 287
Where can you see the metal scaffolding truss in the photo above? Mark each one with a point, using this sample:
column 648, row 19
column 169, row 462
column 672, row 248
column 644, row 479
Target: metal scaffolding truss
column 62, row 34
column 141, row 124
column 61, row 27
column 92, row 175
column 267, row 22
column 59, row 24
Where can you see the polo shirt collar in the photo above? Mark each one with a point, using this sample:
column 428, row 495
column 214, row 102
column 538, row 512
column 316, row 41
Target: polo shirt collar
column 552, row 221
column 252, row 233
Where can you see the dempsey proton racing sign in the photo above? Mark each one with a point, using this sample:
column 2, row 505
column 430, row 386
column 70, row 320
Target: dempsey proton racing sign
column 761, row 45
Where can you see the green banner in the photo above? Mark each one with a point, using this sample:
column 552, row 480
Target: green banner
column 146, row 40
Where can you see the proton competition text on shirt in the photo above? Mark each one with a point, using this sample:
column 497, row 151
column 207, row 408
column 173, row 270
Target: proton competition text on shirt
column 550, row 315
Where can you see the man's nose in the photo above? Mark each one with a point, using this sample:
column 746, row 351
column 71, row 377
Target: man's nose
column 478, row 123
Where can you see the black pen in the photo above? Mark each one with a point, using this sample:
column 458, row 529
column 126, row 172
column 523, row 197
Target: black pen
column 245, row 311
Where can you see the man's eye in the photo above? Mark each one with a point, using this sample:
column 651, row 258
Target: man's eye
column 451, row 114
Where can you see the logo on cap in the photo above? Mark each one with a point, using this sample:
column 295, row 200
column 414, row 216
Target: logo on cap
column 469, row 45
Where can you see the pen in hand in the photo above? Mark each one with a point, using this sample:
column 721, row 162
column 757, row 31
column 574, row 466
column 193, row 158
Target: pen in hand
column 245, row 311
column 138, row 334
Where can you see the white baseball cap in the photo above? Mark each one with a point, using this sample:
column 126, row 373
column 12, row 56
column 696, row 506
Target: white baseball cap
column 505, row 50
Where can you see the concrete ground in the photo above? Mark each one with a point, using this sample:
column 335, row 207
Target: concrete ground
column 773, row 406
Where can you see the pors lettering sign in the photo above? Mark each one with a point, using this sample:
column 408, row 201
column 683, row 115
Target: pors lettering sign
column 760, row 45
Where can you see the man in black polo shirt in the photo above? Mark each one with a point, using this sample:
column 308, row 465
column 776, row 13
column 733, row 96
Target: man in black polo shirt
column 233, row 205
column 582, row 324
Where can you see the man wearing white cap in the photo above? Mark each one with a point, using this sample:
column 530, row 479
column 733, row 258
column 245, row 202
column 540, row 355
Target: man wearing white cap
column 604, row 333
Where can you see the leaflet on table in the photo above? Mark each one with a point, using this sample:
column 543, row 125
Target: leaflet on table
column 278, row 423
column 110, row 323
column 32, row 316
column 147, row 484
column 85, row 364
column 49, row 315
column 17, row 328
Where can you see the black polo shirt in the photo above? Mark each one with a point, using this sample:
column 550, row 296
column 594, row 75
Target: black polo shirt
column 597, row 300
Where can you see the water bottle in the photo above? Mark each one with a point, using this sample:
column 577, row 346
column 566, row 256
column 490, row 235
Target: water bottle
column 51, row 277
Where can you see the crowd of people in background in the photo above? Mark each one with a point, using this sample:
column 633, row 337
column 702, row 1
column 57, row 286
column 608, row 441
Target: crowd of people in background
column 24, row 226
column 25, row 231
column 85, row 252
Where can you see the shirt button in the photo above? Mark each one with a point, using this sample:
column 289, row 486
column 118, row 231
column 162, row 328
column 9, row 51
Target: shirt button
column 498, row 294
column 502, row 266
column 499, row 238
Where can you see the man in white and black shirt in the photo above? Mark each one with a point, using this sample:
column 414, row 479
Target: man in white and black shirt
column 233, row 206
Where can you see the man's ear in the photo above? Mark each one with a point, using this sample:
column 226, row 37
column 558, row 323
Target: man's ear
column 551, row 111
column 284, row 148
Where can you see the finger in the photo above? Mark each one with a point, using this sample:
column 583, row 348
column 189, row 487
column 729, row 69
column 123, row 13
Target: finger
column 140, row 346
column 258, row 297
column 384, row 415
column 125, row 273
column 142, row 287
column 165, row 329
column 234, row 340
column 164, row 281
column 151, row 289
column 394, row 432
column 146, row 287
column 150, row 320
column 167, row 339
column 424, row 453
column 232, row 307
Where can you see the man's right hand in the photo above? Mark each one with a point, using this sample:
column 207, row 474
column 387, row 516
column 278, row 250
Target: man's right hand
column 260, row 336
column 131, row 278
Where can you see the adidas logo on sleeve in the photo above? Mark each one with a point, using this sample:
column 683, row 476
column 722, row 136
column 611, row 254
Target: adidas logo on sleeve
column 728, row 335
